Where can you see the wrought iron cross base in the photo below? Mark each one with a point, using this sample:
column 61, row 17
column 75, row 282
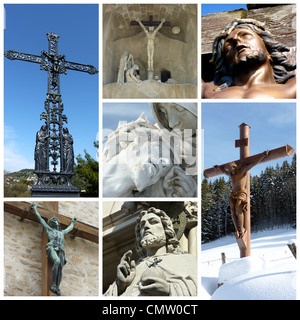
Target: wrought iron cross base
column 52, row 184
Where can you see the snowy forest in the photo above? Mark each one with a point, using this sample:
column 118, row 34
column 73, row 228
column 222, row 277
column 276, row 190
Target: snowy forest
column 273, row 202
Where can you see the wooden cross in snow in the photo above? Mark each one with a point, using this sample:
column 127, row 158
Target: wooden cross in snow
column 239, row 172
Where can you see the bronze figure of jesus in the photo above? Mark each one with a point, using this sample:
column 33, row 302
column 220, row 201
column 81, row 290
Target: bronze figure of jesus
column 55, row 246
column 249, row 64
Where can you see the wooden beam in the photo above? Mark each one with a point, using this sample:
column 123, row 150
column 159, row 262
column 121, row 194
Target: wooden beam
column 274, row 154
column 52, row 206
column 150, row 23
column 46, row 268
column 18, row 208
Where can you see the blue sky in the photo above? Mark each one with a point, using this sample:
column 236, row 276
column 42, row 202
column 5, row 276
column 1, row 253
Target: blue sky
column 114, row 112
column 273, row 125
column 220, row 7
column 25, row 85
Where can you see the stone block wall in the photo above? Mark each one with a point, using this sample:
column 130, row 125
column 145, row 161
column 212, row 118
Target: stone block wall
column 23, row 255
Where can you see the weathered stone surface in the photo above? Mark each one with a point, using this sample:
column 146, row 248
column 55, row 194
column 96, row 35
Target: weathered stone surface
column 281, row 20
column 213, row 24
column 23, row 255
column 150, row 89
column 119, row 233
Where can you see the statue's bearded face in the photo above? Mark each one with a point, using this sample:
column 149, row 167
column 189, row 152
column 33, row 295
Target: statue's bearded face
column 232, row 168
column 244, row 47
column 152, row 231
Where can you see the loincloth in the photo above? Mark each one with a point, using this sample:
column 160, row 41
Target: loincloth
column 240, row 195
column 60, row 253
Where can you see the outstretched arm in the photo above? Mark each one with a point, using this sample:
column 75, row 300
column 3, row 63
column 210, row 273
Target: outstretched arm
column 159, row 26
column 41, row 220
column 142, row 26
column 70, row 227
column 220, row 169
column 251, row 165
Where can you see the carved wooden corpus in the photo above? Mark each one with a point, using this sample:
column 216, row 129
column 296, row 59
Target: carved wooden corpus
column 247, row 161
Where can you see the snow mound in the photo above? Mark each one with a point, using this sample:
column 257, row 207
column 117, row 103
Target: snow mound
column 240, row 267
column 277, row 283
column 269, row 274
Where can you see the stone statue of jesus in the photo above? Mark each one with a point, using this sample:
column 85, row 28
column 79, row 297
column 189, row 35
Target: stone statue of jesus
column 150, row 41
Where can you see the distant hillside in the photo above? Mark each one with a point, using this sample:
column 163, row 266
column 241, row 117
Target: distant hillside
column 19, row 183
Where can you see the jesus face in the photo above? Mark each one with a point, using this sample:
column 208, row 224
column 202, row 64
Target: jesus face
column 54, row 223
column 152, row 231
column 244, row 46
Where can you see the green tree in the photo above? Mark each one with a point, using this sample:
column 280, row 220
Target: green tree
column 87, row 174
column 273, row 202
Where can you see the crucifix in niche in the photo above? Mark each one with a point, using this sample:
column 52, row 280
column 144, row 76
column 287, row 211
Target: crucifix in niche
column 239, row 173
column 150, row 35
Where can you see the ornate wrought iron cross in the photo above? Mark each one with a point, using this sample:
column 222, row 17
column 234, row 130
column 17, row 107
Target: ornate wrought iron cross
column 53, row 140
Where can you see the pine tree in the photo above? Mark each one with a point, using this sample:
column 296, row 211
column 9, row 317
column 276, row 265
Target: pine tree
column 273, row 202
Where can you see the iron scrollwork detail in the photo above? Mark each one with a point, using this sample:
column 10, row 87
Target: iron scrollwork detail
column 54, row 143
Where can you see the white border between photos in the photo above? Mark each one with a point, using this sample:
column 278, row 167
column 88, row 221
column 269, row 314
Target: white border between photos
column 101, row 199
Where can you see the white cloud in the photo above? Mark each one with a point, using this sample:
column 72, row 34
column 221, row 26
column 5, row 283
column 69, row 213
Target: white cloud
column 13, row 159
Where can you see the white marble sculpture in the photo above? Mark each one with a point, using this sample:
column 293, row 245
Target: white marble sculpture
column 131, row 74
column 150, row 34
column 145, row 160
column 126, row 62
column 163, row 269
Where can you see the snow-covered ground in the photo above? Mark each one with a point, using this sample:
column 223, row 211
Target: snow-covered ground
column 269, row 274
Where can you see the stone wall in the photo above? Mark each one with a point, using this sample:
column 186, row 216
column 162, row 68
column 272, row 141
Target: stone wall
column 150, row 89
column 23, row 255
column 280, row 19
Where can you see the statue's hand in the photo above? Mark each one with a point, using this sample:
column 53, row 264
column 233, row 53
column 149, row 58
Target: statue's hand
column 154, row 286
column 163, row 20
column 33, row 205
column 74, row 220
column 137, row 19
column 125, row 272
column 178, row 184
